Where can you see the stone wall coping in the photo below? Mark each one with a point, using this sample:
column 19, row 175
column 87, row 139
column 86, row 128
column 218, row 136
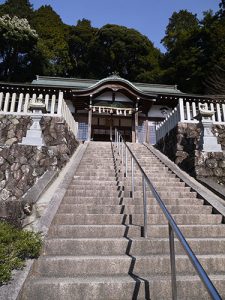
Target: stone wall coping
column 42, row 184
column 217, row 188
column 216, row 202
column 12, row 290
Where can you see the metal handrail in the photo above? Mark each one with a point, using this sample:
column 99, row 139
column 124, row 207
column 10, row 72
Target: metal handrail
column 173, row 228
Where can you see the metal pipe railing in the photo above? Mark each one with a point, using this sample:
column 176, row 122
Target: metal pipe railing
column 173, row 228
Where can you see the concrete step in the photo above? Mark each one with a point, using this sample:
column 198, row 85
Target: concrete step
column 95, row 173
column 135, row 219
column 86, row 287
column 160, row 265
column 89, row 193
column 132, row 209
column 71, row 266
column 97, row 168
column 85, row 246
column 167, row 201
column 163, row 194
column 129, row 201
column 157, row 184
column 100, row 177
column 112, row 185
column 109, row 187
column 168, row 189
column 94, row 231
column 121, row 246
column 188, row 287
column 93, row 183
column 197, row 231
column 107, row 231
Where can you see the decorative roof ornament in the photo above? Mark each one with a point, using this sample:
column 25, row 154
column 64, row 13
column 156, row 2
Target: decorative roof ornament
column 115, row 75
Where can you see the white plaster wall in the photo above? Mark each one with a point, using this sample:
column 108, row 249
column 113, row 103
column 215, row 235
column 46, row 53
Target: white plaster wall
column 70, row 105
column 159, row 111
column 107, row 96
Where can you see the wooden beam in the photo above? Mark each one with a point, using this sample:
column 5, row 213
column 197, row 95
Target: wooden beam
column 136, row 126
column 133, row 129
column 90, row 119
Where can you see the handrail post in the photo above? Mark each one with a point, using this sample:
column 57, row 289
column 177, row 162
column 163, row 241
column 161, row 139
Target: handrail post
column 132, row 176
column 172, row 263
column 122, row 146
column 119, row 143
column 125, row 162
column 144, row 206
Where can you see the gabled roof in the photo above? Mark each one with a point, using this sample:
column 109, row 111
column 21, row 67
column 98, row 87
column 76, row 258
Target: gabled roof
column 86, row 84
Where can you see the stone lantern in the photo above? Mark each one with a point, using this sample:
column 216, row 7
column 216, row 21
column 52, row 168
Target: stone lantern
column 208, row 142
column 34, row 134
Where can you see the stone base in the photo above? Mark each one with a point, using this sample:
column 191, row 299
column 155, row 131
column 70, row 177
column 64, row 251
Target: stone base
column 210, row 144
column 33, row 138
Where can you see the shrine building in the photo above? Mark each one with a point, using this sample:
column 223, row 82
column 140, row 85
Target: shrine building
column 100, row 106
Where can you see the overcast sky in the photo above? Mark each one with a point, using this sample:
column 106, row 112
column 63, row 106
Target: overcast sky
column 150, row 17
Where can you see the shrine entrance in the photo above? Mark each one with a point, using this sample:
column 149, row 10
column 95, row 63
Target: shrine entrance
column 111, row 103
column 103, row 128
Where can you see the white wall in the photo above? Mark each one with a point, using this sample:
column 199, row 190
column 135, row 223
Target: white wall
column 159, row 111
column 107, row 96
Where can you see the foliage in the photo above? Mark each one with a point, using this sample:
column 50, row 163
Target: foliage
column 79, row 38
column 195, row 49
column 124, row 50
column 16, row 245
column 182, row 62
column 19, row 8
column 52, row 47
column 16, row 40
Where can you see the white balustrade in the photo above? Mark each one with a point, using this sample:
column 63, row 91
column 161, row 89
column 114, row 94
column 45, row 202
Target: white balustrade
column 18, row 104
column 185, row 113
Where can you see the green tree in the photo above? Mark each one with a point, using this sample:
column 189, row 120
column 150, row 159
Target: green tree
column 52, row 47
column 17, row 39
column 183, row 59
column 19, row 8
column 124, row 50
column 79, row 38
column 213, row 44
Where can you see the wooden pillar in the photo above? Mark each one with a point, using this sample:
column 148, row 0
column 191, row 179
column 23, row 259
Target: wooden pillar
column 133, row 129
column 89, row 118
column 136, row 126
column 136, row 121
column 147, row 138
column 111, row 128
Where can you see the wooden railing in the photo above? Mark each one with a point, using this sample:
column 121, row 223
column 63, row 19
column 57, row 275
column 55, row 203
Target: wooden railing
column 18, row 104
column 185, row 113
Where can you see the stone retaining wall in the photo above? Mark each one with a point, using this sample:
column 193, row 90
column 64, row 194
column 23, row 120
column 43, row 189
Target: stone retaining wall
column 22, row 165
column 13, row 128
column 181, row 146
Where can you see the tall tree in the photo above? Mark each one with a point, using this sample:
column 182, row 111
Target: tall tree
column 19, row 8
column 52, row 46
column 79, row 38
column 182, row 61
column 17, row 39
column 124, row 50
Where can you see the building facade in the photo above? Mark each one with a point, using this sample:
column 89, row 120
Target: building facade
column 100, row 106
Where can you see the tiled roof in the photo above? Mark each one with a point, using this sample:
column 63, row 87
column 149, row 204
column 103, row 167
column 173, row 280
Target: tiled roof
column 83, row 84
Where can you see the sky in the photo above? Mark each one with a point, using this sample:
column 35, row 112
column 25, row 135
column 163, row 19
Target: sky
column 150, row 17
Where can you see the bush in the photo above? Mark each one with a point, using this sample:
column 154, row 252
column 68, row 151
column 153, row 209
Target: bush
column 15, row 246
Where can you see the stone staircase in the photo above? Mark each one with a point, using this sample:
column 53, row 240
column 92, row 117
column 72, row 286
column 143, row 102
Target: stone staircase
column 95, row 249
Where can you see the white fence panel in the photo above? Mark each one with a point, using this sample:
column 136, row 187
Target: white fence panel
column 18, row 104
column 185, row 113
